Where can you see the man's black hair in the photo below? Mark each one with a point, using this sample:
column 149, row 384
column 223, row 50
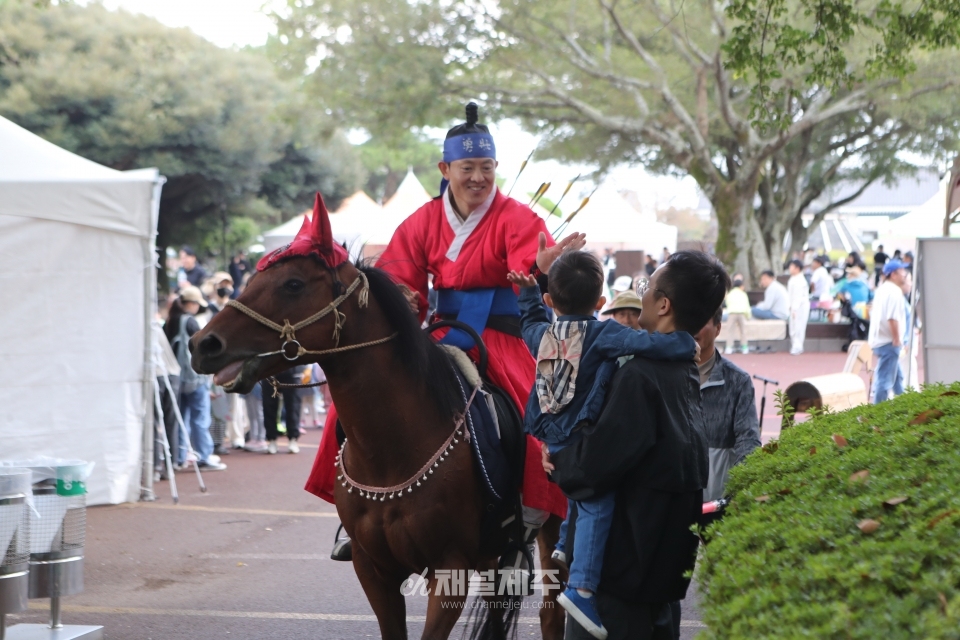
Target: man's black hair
column 575, row 282
column 696, row 284
column 718, row 316
column 187, row 249
column 823, row 260
column 797, row 264
column 767, row 272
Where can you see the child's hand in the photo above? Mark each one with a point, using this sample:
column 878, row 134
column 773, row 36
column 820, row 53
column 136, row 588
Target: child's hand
column 521, row 279
column 545, row 458
column 546, row 255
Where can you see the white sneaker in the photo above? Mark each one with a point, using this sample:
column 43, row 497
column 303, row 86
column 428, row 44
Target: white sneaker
column 271, row 446
column 728, row 350
column 213, row 458
column 293, row 447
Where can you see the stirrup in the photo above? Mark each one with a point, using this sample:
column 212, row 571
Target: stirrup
column 342, row 549
column 516, row 564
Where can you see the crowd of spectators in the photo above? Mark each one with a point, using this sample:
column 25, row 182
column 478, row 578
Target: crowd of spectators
column 215, row 421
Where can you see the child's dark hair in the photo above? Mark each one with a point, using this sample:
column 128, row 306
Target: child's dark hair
column 575, row 282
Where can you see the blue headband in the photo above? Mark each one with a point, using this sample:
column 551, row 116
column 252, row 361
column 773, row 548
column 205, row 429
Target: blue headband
column 469, row 145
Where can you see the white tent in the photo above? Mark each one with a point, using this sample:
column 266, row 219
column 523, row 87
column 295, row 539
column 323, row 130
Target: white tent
column 611, row 222
column 924, row 221
column 409, row 196
column 77, row 283
column 351, row 224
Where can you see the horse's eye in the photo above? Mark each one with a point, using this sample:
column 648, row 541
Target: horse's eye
column 293, row 286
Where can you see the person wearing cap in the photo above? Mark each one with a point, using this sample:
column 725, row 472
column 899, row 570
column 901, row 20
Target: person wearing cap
column 191, row 272
column 625, row 309
column 194, row 397
column 219, row 291
column 468, row 238
column 888, row 319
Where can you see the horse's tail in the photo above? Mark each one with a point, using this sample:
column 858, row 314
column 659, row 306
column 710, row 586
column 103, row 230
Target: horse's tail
column 494, row 618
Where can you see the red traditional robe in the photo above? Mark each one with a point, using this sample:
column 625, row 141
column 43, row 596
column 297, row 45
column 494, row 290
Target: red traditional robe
column 501, row 235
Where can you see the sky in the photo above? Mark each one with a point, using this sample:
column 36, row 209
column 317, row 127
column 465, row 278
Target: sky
column 238, row 23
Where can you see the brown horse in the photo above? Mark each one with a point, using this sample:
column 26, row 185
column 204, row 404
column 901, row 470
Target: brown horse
column 398, row 402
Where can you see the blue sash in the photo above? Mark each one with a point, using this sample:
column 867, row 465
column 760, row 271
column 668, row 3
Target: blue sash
column 473, row 308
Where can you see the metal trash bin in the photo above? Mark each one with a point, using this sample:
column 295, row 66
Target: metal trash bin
column 57, row 533
column 14, row 541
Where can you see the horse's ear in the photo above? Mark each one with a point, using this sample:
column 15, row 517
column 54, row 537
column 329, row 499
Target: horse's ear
column 321, row 233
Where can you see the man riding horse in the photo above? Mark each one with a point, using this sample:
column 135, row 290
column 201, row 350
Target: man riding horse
column 468, row 239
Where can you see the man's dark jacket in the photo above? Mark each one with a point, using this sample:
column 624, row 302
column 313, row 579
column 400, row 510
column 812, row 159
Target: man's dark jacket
column 649, row 446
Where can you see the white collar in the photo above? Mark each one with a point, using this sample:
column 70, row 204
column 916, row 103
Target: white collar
column 463, row 228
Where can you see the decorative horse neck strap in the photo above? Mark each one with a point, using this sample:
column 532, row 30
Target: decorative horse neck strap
column 288, row 331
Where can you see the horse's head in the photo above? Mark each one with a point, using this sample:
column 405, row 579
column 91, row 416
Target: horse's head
column 259, row 337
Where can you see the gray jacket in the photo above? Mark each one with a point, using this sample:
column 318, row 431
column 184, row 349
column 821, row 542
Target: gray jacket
column 730, row 416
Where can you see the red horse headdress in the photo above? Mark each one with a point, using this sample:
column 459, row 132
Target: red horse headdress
column 314, row 237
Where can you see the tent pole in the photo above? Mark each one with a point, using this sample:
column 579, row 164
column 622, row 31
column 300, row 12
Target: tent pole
column 149, row 370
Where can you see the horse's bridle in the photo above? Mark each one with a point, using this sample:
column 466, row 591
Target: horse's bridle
column 288, row 331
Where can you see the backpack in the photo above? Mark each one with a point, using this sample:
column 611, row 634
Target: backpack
column 190, row 380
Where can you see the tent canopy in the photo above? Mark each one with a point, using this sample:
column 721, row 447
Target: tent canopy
column 351, row 224
column 611, row 222
column 76, row 274
column 409, row 197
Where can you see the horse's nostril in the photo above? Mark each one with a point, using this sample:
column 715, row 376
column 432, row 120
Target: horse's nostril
column 211, row 345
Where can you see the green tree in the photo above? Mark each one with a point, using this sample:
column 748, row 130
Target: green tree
column 642, row 82
column 128, row 92
column 388, row 159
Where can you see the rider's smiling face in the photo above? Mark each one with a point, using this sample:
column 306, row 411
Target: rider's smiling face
column 471, row 181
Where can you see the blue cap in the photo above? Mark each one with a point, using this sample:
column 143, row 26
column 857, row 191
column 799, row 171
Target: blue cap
column 892, row 265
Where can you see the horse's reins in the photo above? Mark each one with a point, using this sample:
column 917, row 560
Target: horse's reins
column 288, row 331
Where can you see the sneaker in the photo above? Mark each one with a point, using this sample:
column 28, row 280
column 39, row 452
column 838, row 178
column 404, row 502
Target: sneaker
column 206, row 465
column 728, row 350
column 213, row 458
column 293, row 447
column 744, row 350
column 271, row 447
column 256, row 446
column 559, row 556
column 221, row 450
column 584, row 611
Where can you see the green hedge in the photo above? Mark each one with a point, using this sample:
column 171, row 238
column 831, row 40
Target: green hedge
column 847, row 527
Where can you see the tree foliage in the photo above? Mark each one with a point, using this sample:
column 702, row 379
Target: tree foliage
column 387, row 161
column 646, row 82
column 125, row 91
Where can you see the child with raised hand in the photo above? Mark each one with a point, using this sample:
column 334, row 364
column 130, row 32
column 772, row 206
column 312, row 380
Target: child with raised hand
column 576, row 358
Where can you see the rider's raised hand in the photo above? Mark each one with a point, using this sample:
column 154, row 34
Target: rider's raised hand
column 546, row 255
column 521, row 279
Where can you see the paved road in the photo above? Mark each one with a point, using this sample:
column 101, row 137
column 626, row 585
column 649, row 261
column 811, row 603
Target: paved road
column 250, row 559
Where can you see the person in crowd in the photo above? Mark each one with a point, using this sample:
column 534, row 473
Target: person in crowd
column 879, row 259
column 908, row 261
column 729, row 409
column 310, row 396
column 649, row 447
column 854, row 288
column 738, row 312
column 621, row 284
column 194, row 388
column 221, row 414
column 625, row 309
column 239, row 267
column 291, row 410
column 167, row 369
column 218, row 291
column 776, row 303
column 664, row 255
column 821, row 283
column 576, row 357
column 191, row 272
column 799, row 296
column 650, row 266
column 257, row 440
column 888, row 319
column 854, row 259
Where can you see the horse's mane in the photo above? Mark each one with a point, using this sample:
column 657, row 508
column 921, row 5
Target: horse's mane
column 421, row 357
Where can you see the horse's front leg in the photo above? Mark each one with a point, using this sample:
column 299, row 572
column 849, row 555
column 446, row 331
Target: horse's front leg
column 554, row 577
column 448, row 595
column 383, row 593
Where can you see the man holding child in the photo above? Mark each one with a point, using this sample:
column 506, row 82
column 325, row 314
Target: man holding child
column 645, row 446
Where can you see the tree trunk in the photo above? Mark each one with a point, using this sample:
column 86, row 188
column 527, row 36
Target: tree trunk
column 740, row 243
